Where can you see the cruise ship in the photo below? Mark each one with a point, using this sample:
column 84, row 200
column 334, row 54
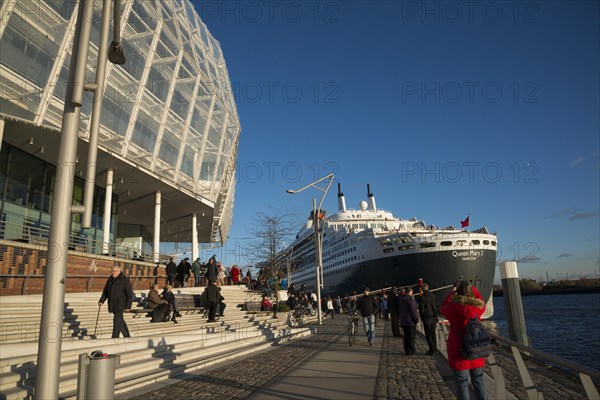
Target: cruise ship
column 370, row 247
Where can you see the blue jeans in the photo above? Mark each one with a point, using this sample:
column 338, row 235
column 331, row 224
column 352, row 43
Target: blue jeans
column 462, row 384
column 369, row 324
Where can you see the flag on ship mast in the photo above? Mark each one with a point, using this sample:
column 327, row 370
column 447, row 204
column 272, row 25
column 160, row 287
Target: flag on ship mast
column 465, row 223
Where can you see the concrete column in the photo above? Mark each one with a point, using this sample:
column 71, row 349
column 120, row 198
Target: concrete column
column 194, row 237
column 156, row 225
column 512, row 302
column 107, row 212
column 2, row 123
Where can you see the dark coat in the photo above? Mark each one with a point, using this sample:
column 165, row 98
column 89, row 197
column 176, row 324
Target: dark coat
column 393, row 303
column 459, row 310
column 213, row 294
column 407, row 308
column 171, row 268
column 212, row 271
column 119, row 293
column 168, row 296
column 367, row 305
column 428, row 308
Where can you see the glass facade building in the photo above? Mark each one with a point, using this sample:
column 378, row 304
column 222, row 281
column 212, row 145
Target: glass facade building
column 168, row 122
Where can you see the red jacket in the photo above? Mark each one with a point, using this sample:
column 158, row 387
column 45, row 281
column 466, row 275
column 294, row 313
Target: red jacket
column 459, row 310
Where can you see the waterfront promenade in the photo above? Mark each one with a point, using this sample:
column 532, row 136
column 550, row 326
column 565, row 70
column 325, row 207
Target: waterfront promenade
column 323, row 366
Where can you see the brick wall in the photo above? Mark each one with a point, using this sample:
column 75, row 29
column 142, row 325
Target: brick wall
column 85, row 272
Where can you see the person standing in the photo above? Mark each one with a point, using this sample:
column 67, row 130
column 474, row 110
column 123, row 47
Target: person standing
column 393, row 304
column 180, row 269
column 368, row 307
column 212, row 271
column 196, row 267
column 171, row 271
column 235, row 275
column 461, row 305
column 212, row 298
column 119, row 293
column 409, row 317
column 187, row 271
column 428, row 312
column 329, row 306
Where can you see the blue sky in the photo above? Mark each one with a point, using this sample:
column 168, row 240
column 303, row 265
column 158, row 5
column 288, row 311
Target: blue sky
column 446, row 108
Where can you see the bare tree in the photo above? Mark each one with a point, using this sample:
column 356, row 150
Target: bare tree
column 272, row 232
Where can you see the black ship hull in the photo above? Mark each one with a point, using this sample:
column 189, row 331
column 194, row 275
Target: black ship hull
column 437, row 268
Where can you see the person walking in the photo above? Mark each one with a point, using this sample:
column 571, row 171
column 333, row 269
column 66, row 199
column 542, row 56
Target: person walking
column 368, row 307
column 393, row 306
column 212, row 271
column 408, row 320
column 196, row 267
column 171, row 271
column 212, row 298
column 461, row 305
column 428, row 311
column 119, row 293
column 187, row 271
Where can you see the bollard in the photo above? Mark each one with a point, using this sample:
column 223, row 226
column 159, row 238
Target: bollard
column 512, row 302
column 96, row 377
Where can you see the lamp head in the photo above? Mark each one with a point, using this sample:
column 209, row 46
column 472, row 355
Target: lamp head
column 290, row 191
column 116, row 55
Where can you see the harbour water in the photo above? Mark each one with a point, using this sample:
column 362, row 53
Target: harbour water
column 566, row 325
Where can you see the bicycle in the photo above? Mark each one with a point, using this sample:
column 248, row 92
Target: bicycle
column 296, row 316
column 352, row 327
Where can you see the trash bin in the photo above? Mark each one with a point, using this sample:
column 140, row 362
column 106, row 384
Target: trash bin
column 96, row 376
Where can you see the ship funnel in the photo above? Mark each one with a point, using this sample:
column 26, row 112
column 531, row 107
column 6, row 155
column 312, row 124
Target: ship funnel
column 341, row 199
column 372, row 205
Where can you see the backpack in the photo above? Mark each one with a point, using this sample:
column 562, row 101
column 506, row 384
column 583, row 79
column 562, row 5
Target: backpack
column 476, row 342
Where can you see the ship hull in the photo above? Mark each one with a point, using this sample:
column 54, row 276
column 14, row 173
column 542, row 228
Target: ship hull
column 436, row 268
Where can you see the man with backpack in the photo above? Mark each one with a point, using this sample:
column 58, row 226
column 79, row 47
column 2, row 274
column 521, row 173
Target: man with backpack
column 461, row 306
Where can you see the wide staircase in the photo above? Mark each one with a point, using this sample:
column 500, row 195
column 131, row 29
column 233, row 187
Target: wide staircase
column 155, row 351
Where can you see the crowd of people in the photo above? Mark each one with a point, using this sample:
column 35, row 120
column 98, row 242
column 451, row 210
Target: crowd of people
column 179, row 275
column 399, row 306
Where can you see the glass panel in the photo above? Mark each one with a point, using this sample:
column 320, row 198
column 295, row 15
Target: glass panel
column 145, row 132
column 187, row 164
column 180, row 102
column 28, row 51
column 169, row 148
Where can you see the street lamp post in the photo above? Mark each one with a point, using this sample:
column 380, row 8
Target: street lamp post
column 317, row 231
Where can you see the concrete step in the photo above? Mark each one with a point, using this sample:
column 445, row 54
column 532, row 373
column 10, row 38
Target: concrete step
column 144, row 366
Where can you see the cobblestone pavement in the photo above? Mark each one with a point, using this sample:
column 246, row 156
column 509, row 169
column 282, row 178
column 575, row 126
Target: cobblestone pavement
column 412, row 377
column 243, row 377
column 399, row 376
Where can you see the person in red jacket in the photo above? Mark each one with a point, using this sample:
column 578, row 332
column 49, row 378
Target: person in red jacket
column 461, row 305
column 265, row 304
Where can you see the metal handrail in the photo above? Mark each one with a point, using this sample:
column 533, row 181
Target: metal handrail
column 37, row 235
column 549, row 357
column 585, row 374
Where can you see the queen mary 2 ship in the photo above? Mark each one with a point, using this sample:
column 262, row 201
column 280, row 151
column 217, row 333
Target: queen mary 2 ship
column 369, row 247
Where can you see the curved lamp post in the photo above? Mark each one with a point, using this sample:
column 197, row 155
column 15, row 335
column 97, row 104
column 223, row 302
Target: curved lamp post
column 318, row 235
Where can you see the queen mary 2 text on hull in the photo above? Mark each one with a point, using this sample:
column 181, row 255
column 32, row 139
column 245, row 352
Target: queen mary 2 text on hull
column 370, row 247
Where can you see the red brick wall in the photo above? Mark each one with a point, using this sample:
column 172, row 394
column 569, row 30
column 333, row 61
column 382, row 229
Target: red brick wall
column 26, row 259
